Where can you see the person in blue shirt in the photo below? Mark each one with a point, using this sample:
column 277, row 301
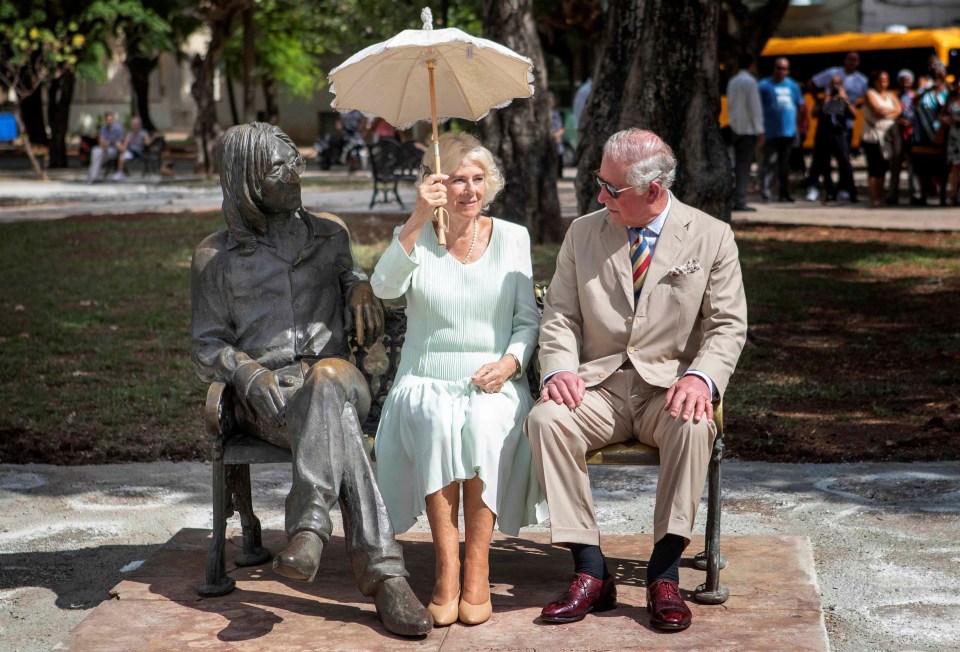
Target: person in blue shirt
column 109, row 145
column 782, row 105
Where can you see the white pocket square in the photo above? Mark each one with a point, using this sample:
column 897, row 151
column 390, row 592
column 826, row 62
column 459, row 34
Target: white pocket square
column 688, row 267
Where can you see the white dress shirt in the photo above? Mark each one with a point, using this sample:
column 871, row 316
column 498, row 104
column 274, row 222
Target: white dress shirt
column 743, row 105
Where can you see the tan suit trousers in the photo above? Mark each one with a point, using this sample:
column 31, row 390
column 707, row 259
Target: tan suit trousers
column 623, row 407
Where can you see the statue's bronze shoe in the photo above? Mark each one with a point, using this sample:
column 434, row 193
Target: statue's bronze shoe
column 301, row 559
column 399, row 608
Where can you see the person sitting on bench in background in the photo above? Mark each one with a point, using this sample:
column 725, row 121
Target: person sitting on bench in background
column 134, row 145
column 109, row 146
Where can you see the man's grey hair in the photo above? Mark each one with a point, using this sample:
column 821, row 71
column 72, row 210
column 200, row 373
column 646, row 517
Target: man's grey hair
column 647, row 156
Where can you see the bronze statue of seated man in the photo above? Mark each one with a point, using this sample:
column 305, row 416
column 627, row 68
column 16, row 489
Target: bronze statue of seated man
column 273, row 295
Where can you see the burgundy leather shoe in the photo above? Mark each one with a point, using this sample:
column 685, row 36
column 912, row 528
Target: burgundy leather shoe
column 667, row 609
column 586, row 594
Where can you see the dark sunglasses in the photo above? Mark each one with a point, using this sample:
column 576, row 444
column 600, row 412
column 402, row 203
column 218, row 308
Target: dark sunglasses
column 616, row 192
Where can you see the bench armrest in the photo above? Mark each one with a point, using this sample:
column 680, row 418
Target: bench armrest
column 218, row 418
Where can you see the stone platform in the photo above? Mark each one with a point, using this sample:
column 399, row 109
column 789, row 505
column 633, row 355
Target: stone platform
column 774, row 602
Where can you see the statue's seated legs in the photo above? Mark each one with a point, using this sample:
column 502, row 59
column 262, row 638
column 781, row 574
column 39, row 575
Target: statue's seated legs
column 325, row 404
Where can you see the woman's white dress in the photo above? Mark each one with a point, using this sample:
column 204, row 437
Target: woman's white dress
column 436, row 427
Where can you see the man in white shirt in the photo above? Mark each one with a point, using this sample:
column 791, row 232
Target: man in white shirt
column 746, row 123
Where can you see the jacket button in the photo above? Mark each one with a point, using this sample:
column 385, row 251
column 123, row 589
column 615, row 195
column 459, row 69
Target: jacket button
column 630, row 349
column 602, row 374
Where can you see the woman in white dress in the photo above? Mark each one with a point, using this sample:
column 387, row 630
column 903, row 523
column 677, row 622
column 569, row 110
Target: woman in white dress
column 455, row 412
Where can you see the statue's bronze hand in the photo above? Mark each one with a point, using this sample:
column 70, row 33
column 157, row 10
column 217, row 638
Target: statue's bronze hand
column 367, row 314
column 259, row 388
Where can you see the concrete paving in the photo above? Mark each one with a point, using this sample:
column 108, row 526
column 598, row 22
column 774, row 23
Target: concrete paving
column 883, row 538
column 67, row 194
column 771, row 580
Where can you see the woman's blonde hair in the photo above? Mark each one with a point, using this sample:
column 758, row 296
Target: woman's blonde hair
column 461, row 147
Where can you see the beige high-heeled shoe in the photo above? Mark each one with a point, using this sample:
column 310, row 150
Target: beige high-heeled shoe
column 444, row 614
column 475, row 614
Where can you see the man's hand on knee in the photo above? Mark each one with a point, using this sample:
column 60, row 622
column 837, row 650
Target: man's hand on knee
column 564, row 387
column 689, row 396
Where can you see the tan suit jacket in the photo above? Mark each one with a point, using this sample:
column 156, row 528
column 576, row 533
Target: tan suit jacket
column 692, row 321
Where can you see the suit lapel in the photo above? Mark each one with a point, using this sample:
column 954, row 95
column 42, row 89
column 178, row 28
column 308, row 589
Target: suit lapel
column 669, row 248
column 617, row 245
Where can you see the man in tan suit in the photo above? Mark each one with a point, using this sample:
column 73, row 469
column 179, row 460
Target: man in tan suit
column 642, row 328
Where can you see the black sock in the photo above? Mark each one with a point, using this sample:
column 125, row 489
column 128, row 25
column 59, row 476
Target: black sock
column 589, row 559
column 665, row 559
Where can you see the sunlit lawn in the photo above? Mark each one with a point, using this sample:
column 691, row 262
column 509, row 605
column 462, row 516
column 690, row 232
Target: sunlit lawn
column 95, row 317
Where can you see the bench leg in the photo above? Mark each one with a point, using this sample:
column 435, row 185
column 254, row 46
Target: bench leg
column 711, row 560
column 217, row 580
column 253, row 552
column 396, row 194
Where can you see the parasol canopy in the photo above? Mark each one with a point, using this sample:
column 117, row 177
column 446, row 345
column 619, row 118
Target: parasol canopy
column 391, row 79
column 397, row 80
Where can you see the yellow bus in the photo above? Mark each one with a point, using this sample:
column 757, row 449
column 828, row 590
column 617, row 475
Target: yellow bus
column 887, row 51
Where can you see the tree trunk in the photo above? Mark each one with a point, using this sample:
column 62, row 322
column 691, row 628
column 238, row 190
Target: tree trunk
column 203, row 126
column 231, row 96
column 746, row 29
column 658, row 71
column 219, row 17
column 519, row 135
column 59, row 98
column 31, row 114
column 25, row 137
column 271, row 107
column 140, row 69
column 249, row 51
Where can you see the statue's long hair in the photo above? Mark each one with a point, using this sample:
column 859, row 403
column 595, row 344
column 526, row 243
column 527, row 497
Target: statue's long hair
column 243, row 155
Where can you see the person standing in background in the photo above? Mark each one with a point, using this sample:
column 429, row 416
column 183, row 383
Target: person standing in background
column 580, row 99
column 950, row 116
column 746, row 123
column 782, row 106
column 832, row 140
column 855, row 83
column 904, row 131
column 880, row 112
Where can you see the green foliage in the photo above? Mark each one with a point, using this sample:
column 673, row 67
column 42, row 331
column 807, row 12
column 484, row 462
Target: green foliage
column 41, row 43
column 156, row 26
column 292, row 37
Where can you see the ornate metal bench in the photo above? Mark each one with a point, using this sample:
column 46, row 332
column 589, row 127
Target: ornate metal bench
column 234, row 451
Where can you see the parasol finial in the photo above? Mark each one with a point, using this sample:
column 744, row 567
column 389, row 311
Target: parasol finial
column 427, row 17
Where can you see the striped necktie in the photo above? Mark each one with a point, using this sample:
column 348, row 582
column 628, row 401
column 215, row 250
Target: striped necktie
column 640, row 259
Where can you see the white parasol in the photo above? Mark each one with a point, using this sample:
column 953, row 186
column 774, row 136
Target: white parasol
column 388, row 80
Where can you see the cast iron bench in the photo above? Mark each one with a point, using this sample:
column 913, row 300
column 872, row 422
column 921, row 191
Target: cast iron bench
column 392, row 162
column 233, row 451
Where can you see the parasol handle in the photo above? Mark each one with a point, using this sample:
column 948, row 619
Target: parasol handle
column 440, row 212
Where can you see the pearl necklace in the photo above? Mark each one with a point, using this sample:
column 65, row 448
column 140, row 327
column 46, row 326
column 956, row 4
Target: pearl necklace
column 473, row 240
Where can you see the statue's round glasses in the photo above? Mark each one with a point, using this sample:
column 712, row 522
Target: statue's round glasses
column 298, row 166
column 616, row 192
